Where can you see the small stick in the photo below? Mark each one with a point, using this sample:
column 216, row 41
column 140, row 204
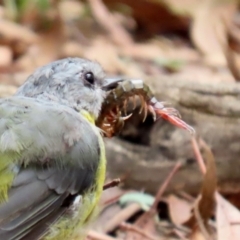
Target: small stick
column 122, row 216
column 130, row 227
column 151, row 212
column 163, row 188
column 198, row 155
column 113, row 183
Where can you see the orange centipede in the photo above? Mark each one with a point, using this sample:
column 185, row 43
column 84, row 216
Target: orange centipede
column 113, row 113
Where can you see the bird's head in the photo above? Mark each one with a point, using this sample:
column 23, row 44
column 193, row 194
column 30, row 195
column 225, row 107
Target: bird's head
column 78, row 83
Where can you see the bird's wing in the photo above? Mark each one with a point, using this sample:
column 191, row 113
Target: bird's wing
column 48, row 155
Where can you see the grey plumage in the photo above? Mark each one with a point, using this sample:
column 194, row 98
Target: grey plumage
column 43, row 133
column 67, row 85
column 56, row 150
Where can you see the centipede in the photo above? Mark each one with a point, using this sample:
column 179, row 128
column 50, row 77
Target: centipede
column 114, row 109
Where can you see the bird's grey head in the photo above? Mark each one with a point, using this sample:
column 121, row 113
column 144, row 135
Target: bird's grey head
column 74, row 82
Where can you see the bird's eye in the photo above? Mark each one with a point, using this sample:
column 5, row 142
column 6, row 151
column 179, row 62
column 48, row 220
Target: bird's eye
column 89, row 77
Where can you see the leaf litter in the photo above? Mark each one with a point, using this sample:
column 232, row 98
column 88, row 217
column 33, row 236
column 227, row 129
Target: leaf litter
column 138, row 215
column 210, row 52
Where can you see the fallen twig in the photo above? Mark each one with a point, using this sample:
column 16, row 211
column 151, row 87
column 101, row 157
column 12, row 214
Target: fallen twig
column 113, row 183
column 162, row 189
column 99, row 236
column 122, row 216
column 198, row 155
column 130, row 227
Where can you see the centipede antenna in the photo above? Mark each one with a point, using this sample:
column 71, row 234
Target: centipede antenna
column 126, row 117
column 173, row 112
column 145, row 109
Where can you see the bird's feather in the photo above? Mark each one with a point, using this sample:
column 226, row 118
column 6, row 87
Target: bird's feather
column 49, row 154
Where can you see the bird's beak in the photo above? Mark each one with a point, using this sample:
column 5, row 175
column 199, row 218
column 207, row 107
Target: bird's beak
column 111, row 83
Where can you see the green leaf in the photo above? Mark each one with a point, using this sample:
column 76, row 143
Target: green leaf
column 143, row 199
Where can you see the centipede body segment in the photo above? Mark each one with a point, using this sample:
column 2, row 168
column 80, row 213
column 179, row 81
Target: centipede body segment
column 114, row 109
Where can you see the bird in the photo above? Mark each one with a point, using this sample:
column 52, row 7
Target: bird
column 52, row 155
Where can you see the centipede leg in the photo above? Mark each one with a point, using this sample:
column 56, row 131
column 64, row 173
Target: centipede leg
column 152, row 111
column 126, row 117
column 142, row 101
column 134, row 101
column 175, row 121
column 145, row 110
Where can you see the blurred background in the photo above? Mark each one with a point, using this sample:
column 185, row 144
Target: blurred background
column 188, row 52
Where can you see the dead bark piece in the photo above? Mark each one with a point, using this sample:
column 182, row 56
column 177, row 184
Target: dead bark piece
column 179, row 209
column 113, row 183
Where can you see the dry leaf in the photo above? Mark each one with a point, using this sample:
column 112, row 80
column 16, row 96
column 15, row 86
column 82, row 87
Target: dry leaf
column 147, row 225
column 205, row 203
column 228, row 220
column 209, row 29
column 107, row 54
column 105, row 218
column 197, row 235
column 209, row 185
column 16, row 32
column 180, row 209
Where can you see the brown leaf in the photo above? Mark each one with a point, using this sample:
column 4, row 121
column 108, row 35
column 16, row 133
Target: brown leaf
column 205, row 204
column 209, row 185
column 180, row 209
column 146, row 222
column 209, row 28
column 197, row 235
column 105, row 218
column 6, row 56
column 15, row 32
column 152, row 17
